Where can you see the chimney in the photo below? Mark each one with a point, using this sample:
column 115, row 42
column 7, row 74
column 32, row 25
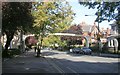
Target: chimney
column 102, row 29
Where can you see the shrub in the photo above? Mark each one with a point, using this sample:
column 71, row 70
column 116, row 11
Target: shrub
column 15, row 51
column 5, row 54
column 94, row 47
column 10, row 53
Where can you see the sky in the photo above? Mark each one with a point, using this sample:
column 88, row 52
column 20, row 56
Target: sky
column 81, row 11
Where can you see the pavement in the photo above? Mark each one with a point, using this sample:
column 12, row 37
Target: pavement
column 28, row 63
column 106, row 55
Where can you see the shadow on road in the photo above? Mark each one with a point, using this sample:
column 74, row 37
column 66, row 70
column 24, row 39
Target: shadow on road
column 95, row 54
column 48, row 53
column 89, row 67
column 33, row 65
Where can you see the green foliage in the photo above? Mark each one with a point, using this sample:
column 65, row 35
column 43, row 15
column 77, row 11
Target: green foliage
column 15, row 51
column 51, row 40
column 106, row 10
column 10, row 53
column 15, row 16
column 94, row 47
column 51, row 17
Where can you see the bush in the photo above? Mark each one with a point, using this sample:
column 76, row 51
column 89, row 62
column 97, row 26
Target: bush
column 15, row 51
column 94, row 47
column 105, row 49
column 10, row 53
column 5, row 54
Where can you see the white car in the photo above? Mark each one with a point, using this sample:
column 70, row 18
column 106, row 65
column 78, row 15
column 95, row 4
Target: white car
column 75, row 50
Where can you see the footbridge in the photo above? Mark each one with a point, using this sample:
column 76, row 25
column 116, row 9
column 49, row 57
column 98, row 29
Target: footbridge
column 70, row 34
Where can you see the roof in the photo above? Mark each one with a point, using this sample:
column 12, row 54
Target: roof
column 74, row 29
column 86, row 28
column 79, row 29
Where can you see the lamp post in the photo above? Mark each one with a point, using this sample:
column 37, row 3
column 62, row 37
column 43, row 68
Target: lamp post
column 98, row 37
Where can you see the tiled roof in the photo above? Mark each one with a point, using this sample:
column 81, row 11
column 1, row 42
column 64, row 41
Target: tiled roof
column 74, row 29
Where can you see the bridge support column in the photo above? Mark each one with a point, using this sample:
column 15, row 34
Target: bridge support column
column 114, row 43
column 87, row 41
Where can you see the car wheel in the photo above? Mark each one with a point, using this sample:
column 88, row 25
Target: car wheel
column 83, row 52
column 90, row 53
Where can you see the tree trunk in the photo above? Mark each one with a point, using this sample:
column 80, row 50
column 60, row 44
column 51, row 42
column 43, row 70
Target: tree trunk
column 38, row 52
column 9, row 38
column 39, row 48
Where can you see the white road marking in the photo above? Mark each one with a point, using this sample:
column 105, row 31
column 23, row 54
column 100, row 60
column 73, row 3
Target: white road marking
column 67, row 67
column 54, row 65
column 71, row 70
column 58, row 68
column 59, row 63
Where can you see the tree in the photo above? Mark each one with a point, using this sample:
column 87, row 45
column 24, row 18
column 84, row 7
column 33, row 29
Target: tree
column 106, row 10
column 51, row 17
column 50, row 41
column 30, row 41
column 15, row 16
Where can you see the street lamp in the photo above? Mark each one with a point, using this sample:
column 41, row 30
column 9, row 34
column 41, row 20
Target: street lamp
column 98, row 37
column 98, row 22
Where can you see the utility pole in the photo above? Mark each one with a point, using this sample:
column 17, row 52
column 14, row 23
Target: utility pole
column 98, row 37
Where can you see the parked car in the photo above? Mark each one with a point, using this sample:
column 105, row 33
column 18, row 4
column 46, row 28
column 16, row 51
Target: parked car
column 59, row 48
column 75, row 50
column 86, row 50
column 47, row 48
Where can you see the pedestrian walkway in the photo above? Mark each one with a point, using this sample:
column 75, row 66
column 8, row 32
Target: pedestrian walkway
column 28, row 63
column 106, row 55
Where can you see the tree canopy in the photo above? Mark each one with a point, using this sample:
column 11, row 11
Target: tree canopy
column 15, row 16
column 106, row 10
column 51, row 17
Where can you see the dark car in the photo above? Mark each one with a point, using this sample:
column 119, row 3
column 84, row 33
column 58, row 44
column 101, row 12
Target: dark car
column 86, row 50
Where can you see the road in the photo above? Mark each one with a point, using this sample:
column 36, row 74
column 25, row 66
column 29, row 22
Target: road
column 53, row 61
column 66, row 62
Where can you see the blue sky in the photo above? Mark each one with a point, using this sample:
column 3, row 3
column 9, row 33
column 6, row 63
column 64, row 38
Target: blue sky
column 81, row 11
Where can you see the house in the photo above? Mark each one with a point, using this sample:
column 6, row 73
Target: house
column 105, row 33
column 90, row 31
column 18, row 39
column 74, row 29
column 114, row 28
column 114, row 37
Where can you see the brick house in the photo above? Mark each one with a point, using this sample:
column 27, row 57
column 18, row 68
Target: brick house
column 74, row 29
column 90, row 31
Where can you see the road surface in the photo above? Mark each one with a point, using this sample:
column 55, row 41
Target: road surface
column 53, row 61
column 66, row 62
